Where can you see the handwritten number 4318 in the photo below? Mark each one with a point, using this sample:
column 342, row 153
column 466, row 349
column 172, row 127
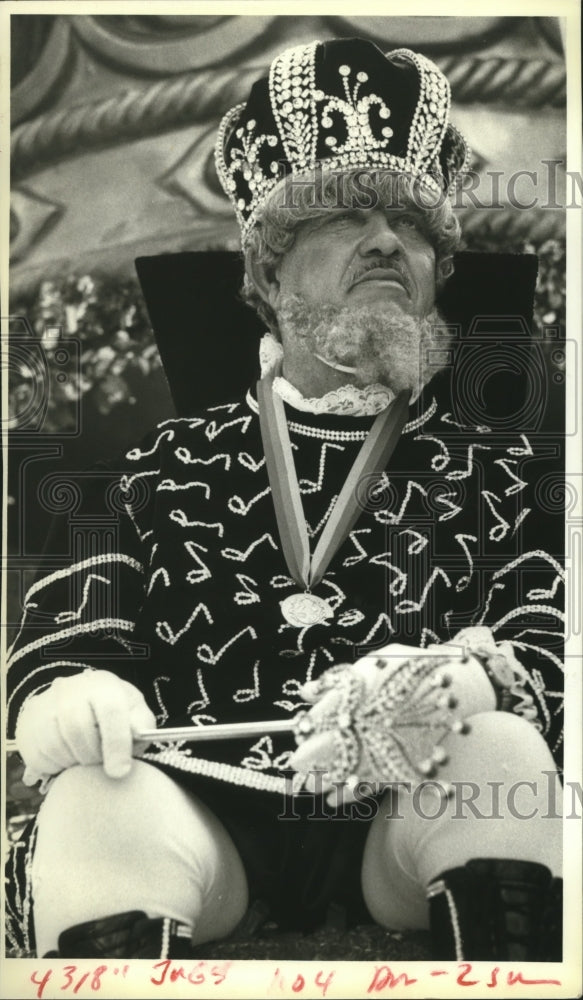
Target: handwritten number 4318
column 68, row 972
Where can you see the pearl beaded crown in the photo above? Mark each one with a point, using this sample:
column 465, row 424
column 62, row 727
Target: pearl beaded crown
column 341, row 105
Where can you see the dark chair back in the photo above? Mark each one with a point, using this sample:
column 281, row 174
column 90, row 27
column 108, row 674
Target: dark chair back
column 207, row 336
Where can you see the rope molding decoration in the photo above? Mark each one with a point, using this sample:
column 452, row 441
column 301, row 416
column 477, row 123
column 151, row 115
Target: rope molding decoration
column 536, row 225
column 198, row 97
column 526, row 83
column 135, row 113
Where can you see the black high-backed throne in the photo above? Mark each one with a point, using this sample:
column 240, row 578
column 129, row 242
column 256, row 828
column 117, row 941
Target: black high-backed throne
column 207, row 336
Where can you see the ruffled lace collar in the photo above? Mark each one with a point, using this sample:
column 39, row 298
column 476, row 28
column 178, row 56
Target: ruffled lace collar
column 348, row 400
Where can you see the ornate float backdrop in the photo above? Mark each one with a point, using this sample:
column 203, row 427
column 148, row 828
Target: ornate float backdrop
column 114, row 119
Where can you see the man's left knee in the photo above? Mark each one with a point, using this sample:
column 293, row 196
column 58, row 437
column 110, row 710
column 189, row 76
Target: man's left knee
column 497, row 744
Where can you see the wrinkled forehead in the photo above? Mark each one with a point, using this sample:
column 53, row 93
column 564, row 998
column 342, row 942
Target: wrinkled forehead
column 317, row 195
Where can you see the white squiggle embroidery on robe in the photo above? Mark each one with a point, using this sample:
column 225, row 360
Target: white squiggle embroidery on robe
column 351, row 617
column 179, row 517
column 529, row 609
column 447, row 418
column 454, row 508
column 500, row 530
column 160, row 572
column 382, row 619
column 389, row 517
column 520, row 518
column 441, row 461
column 464, row 473
column 263, row 751
column 312, row 532
column 421, row 541
column 525, row 450
column 405, row 607
column 242, row 556
column 247, row 595
column 71, row 616
column 464, row 581
column 362, row 553
column 212, row 430
column 162, row 715
column 167, row 634
column 311, row 486
column 491, row 592
column 414, row 425
column 229, row 407
column 134, row 454
column 518, row 484
column 185, row 455
column 202, row 572
column 192, row 422
column 249, row 694
column 339, row 595
column 248, row 462
column 399, row 581
column 206, row 654
column 173, row 486
column 238, row 506
column 532, row 554
column 199, row 704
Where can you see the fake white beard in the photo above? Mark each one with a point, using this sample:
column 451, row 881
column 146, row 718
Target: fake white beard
column 373, row 343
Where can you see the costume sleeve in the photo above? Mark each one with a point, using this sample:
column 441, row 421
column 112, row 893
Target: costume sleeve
column 81, row 611
column 522, row 574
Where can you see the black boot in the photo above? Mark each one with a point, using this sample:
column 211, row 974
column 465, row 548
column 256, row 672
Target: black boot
column 125, row 935
column 497, row 910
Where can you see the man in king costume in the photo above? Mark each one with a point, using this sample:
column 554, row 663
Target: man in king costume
column 333, row 567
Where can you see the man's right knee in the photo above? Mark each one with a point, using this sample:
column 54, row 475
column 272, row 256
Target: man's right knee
column 138, row 842
column 85, row 793
column 83, row 789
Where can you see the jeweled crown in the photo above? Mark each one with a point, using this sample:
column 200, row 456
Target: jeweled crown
column 342, row 105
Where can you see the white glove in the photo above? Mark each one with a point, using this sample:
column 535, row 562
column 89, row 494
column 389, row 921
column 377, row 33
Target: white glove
column 468, row 686
column 91, row 718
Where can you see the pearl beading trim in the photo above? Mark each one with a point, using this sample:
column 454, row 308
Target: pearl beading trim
column 435, row 890
column 99, row 560
column 432, row 111
column 181, row 760
column 165, row 946
column 113, row 624
column 327, row 435
column 292, row 76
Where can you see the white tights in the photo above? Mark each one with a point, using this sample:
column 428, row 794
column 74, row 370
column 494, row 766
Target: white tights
column 403, row 855
column 108, row 845
column 142, row 843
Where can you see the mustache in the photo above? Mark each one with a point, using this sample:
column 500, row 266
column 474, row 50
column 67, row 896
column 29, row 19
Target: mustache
column 385, row 264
